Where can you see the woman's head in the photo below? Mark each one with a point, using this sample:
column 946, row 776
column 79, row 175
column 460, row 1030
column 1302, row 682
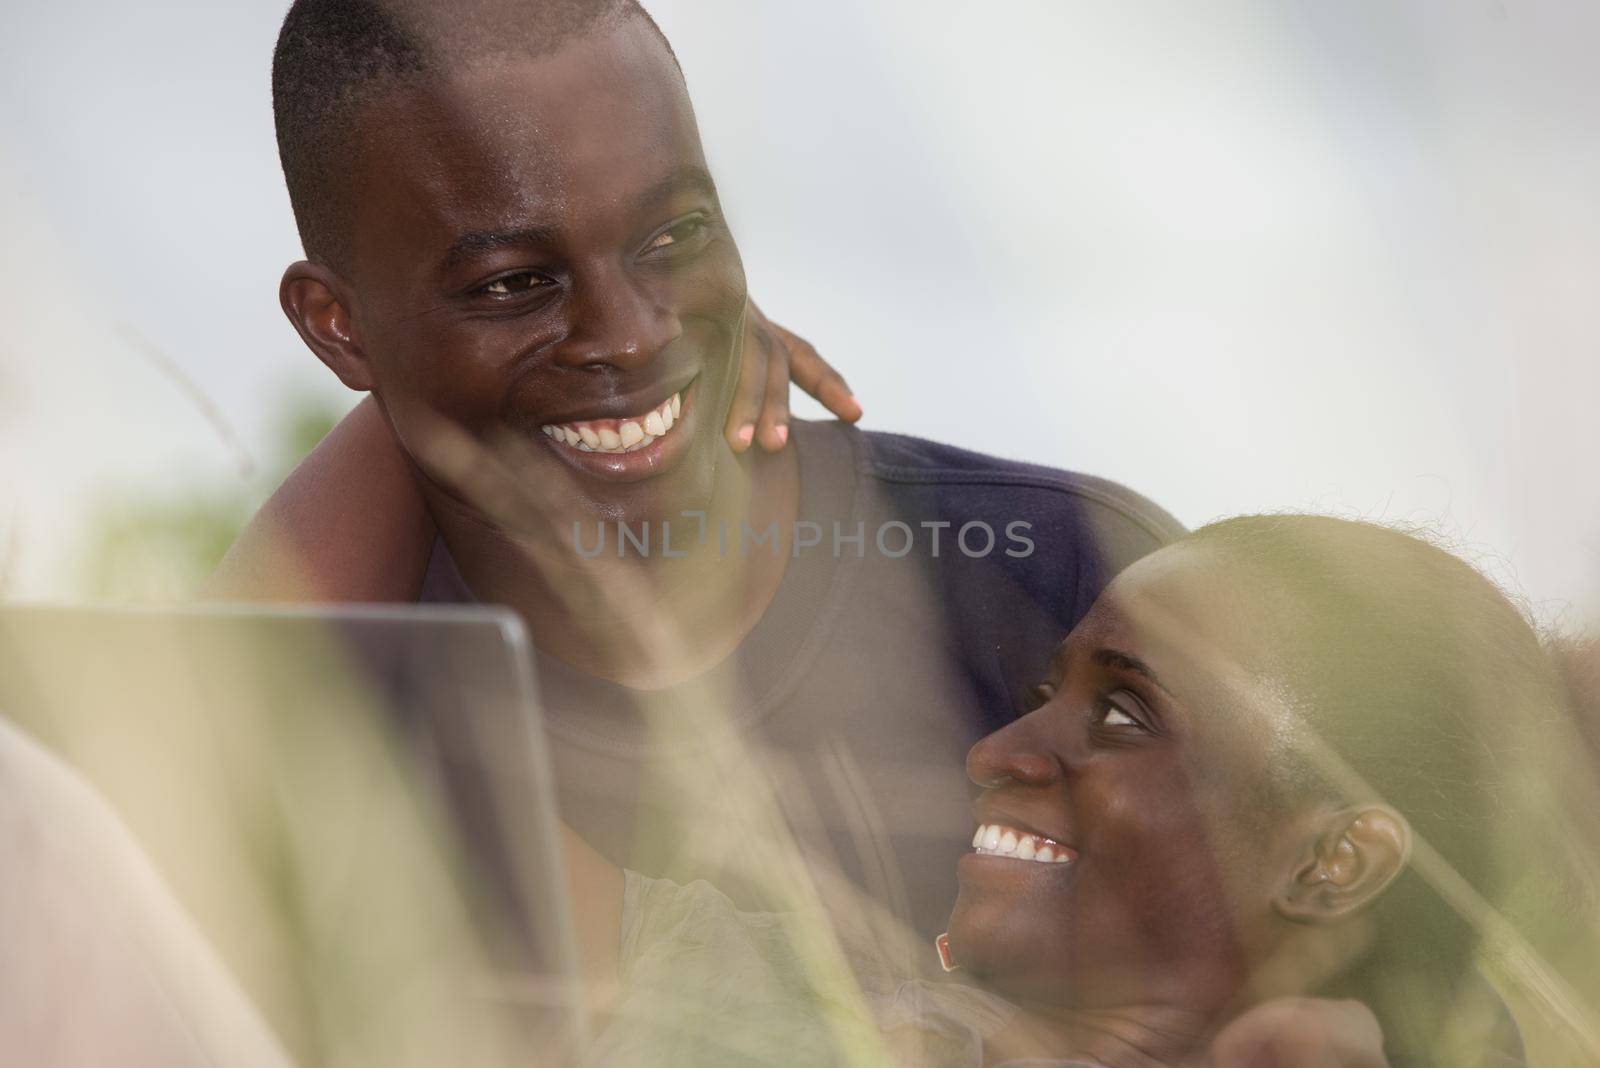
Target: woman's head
column 1240, row 745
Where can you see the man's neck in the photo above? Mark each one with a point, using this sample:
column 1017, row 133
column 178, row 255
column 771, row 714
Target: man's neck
column 645, row 618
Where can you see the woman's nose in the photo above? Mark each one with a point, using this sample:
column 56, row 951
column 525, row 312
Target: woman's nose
column 1011, row 755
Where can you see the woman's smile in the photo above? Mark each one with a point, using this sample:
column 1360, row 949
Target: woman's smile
column 999, row 840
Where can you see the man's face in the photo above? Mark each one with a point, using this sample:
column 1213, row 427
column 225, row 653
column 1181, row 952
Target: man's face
column 539, row 251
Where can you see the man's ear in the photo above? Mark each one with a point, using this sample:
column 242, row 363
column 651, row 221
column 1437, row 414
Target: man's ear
column 317, row 302
column 1351, row 859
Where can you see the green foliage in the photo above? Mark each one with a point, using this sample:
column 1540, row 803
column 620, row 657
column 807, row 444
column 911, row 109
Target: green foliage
column 145, row 547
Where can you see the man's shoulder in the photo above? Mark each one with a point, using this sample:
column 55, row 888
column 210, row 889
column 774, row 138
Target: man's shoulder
column 1054, row 540
column 969, row 481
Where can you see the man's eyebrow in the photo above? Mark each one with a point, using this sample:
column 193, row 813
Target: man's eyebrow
column 688, row 178
column 476, row 241
column 1113, row 658
column 691, row 177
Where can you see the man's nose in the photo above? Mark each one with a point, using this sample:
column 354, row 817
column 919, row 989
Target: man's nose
column 616, row 323
column 1012, row 755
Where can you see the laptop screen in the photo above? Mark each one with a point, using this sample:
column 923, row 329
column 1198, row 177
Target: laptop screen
column 355, row 806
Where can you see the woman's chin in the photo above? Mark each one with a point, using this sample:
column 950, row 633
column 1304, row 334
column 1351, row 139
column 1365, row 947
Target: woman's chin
column 992, row 941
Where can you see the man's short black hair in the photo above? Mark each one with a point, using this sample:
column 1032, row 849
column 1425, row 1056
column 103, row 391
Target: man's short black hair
column 334, row 57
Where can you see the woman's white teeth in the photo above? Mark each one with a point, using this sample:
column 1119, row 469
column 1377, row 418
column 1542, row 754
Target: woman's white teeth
column 629, row 435
column 992, row 839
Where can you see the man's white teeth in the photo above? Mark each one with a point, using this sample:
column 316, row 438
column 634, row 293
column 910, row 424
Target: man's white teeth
column 992, row 839
column 630, row 435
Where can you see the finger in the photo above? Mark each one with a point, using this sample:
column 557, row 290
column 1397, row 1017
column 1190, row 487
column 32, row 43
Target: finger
column 773, row 429
column 1310, row 1032
column 754, row 359
column 818, row 378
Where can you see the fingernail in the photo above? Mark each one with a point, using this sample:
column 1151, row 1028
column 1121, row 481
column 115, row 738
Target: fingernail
column 783, row 435
column 747, row 434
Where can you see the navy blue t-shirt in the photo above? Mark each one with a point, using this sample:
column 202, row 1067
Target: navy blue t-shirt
column 939, row 582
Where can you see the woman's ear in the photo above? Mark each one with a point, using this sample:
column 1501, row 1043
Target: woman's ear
column 317, row 302
column 1353, row 857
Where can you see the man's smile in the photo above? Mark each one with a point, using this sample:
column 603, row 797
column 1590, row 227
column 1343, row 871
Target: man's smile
column 627, row 434
column 631, row 447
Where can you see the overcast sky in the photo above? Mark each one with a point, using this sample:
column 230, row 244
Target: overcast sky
column 1240, row 256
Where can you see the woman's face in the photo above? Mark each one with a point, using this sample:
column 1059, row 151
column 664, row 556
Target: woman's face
column 1145, row 760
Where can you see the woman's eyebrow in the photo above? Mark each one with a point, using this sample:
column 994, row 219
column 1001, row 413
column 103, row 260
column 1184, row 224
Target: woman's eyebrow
column 1114, row 658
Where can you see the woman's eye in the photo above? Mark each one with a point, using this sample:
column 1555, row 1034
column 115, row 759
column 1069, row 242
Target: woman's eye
column 512, row 284
column 1116, row 717
column 1113, row 713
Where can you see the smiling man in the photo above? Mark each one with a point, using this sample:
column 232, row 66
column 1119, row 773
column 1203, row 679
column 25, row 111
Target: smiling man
column 525, row 243
column 515, row 245
column 516, row 264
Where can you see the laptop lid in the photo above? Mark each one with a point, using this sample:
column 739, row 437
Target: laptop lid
column 355, row 803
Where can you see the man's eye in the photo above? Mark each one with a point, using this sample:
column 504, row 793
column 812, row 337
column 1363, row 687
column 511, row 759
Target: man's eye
column 679, row 233
column 511, row 285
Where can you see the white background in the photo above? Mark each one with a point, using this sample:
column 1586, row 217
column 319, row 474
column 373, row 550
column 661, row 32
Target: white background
column 1240, row 256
